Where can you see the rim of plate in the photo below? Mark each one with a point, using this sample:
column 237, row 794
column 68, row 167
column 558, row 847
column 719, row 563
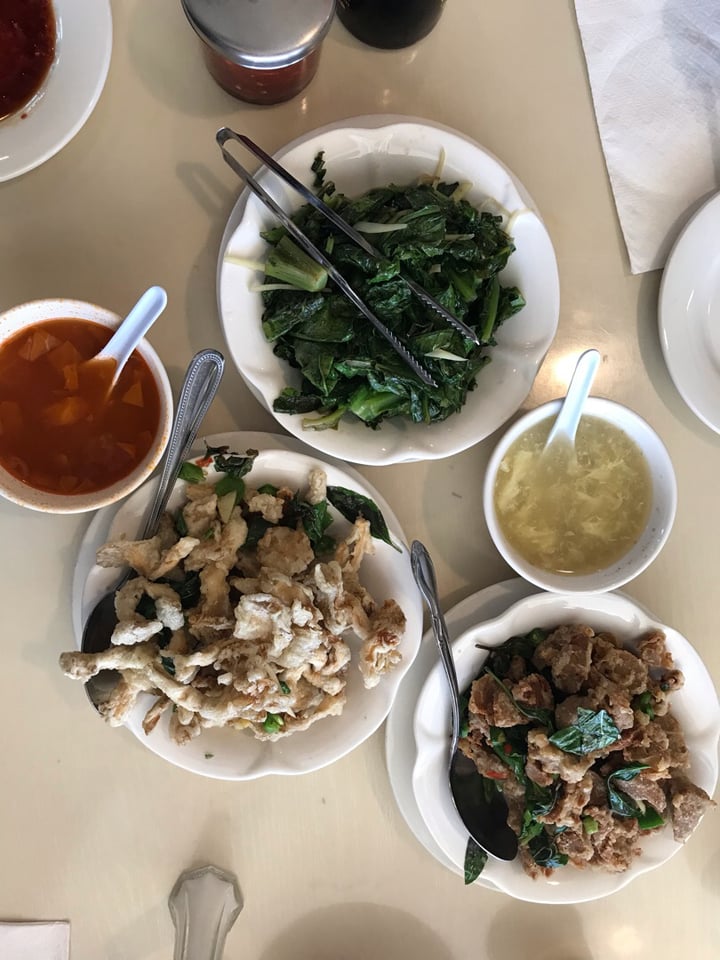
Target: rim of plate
column 686, row 347
column 90, row 582
column 614, row 611
column 71, row 91
column 387, row 142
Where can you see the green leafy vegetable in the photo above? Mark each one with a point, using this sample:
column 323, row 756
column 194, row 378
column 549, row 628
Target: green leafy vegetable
column 510, row 744
column 524, row 646
column 623, row 805
column 475, row 860
column 538, row 802
column 180, row 525
column 230, row 484
column 191, row 473
column 284, row 687
column 422, row 231
column 593, row 730
column 353, row 505
column 234, row 464
column 168, row 665
column 545, row 853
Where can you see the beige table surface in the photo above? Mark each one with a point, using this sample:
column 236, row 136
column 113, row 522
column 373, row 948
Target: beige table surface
column 95, row 828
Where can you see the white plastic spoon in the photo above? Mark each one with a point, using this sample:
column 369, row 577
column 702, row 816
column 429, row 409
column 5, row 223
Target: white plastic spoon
column 566, row 422
column 131, row 331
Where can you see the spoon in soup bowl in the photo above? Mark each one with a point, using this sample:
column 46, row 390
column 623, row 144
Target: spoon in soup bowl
column 119, row 348
column 484, row 813
column 562, row 433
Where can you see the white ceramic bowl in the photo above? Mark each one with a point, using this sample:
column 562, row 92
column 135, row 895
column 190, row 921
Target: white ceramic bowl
column 662, row 511
column 228, row 754
column 23, row 494
column 695, row 706
column 369, row 152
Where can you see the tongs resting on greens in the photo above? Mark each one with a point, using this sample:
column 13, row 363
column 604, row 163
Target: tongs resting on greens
column 305, row 244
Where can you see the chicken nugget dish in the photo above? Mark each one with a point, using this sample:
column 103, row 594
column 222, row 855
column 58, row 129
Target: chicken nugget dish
column 576, row 731
column 240, row 607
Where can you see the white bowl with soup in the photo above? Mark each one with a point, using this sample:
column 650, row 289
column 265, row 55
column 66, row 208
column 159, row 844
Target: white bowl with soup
column 67, row 445
column 586, row 521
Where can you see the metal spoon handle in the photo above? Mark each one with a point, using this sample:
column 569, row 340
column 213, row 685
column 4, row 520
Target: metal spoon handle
column 424, row 573
column 202, row 380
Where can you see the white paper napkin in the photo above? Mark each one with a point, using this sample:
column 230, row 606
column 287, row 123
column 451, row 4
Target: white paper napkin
column 35, row 941
column 654, row 68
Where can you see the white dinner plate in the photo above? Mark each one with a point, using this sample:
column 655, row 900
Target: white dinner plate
column 73, row 87
column 695, row 706
column 372, row 151
column 400, row 750
column 234, row 754
column 689, row 314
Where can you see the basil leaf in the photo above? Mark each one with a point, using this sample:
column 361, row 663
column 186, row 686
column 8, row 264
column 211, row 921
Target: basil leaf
column 523, row 646
column 191, row 472
column 145, row 607
column 188, row 589
column 623, row 805
column 315, row 518
column 181, row 527
column 511, row 747
column 593, row 730
column 284, row 687
column 538, row 802
column 353, row 505
column 234, row 464
column 268, row 488
column 544, row 852
column 168, row 665
column 475, row 860
column 230, row 484
column 463, row 703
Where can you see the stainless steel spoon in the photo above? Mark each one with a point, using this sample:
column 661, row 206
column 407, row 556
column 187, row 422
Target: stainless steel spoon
column 202, row 380
column 483, row 813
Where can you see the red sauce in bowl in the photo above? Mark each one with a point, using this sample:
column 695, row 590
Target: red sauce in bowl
column 60, row 429
column 27, row 50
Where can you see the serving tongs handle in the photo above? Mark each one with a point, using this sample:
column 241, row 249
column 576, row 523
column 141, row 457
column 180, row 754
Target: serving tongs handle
column 309, row 197
column 225, row 134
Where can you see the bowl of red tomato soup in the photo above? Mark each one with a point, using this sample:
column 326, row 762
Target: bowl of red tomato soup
column 69, row 442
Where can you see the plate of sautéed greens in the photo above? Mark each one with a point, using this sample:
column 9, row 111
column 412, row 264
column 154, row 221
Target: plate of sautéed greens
column 442, row 211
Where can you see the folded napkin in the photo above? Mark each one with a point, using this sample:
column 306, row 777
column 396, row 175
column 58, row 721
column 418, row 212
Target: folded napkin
column 654, row 68
column 35, row 941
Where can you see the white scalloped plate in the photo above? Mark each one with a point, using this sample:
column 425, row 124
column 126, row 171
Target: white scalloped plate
column 234, row 754
column 695, row 706
column 360, row 154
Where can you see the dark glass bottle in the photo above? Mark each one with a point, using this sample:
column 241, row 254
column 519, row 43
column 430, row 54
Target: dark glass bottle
column 390, row 23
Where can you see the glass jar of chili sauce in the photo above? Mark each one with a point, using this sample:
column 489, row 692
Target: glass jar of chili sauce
column 261, row 51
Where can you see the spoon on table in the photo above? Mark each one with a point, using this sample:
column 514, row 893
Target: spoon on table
column 483, row 813
column 562, row 432
column 202, row 380
column 204, row 905
column 131, row 331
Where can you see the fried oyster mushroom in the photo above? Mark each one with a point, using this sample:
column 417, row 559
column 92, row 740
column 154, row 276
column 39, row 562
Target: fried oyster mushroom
column 229, row 632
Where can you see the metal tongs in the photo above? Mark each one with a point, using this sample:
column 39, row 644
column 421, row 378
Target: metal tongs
column 225, row 134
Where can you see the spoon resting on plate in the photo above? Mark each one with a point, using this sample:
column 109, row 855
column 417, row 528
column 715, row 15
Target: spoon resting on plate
column 483, row 812
column 133, row 328
column 562, row 433
column 202, row 380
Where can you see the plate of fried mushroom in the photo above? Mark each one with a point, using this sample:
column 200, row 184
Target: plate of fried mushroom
column 267, row 624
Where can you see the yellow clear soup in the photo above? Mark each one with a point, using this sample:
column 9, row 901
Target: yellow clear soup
column 573, row 513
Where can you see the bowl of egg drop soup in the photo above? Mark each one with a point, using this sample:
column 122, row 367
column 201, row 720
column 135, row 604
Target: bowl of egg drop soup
column 587, row 519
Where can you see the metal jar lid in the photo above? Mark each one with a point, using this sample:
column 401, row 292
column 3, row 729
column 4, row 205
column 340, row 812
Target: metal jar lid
column 261, row 33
